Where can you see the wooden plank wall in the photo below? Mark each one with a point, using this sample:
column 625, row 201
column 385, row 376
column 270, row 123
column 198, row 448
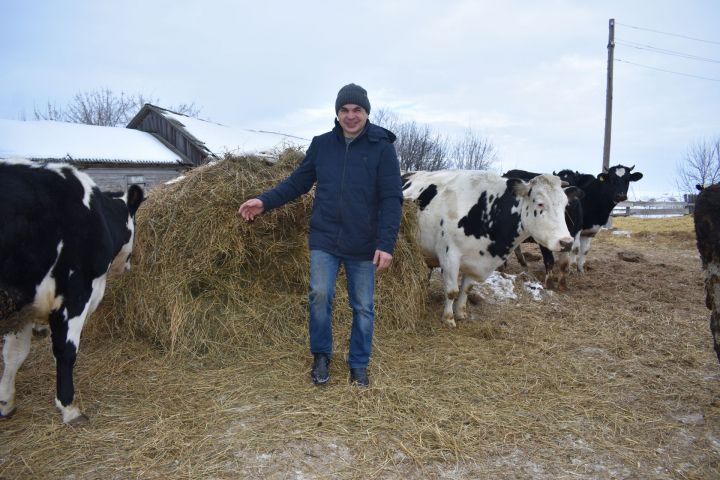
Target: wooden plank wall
column 159, row 125
column 116, row 179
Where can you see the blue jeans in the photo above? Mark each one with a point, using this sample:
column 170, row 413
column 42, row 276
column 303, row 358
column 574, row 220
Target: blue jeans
column 360, row 274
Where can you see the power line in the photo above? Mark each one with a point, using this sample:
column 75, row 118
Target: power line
column 668, row 71
column 668, row 33
column 664, row 51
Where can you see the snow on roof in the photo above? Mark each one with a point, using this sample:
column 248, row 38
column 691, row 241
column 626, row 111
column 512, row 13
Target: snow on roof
column 221, row 139
column 72, row 141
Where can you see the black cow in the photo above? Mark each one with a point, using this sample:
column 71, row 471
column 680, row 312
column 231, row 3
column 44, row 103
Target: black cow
column 602, row 194
column 574, row 177
column 60, row 238
column 707, row 231
column 523, row 175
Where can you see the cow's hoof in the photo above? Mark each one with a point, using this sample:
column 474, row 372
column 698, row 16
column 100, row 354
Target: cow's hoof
column 81, row 419
column 449, row 322
column 474, row 298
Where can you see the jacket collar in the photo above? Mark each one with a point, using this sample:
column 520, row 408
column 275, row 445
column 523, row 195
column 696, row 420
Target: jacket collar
column 373, row 132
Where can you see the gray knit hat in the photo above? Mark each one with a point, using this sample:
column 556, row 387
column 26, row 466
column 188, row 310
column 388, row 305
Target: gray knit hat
column 354, row 94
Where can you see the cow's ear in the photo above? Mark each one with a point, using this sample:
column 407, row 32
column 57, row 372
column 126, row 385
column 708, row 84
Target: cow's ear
column 602, row 177
column 636, row 176
column 135, row 196
column 574, row 193
column 518, row 186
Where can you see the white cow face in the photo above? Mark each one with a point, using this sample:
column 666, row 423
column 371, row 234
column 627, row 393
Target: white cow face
column 132, row 200
column 121, row 262
column 542, row 211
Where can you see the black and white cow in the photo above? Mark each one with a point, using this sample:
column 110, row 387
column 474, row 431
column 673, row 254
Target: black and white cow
column 60, row 237
column 707, row 231
column 470, row 221
column 602, row 194
column 555, row 274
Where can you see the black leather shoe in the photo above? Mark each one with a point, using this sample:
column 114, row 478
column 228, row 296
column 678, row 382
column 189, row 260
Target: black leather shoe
column 320, row 374
column 359, row 376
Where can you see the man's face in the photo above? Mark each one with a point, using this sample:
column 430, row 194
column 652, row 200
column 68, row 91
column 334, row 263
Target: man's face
column 352, row 119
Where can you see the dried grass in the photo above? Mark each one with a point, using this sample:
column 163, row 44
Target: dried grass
column 205, row 282
column 614, row 379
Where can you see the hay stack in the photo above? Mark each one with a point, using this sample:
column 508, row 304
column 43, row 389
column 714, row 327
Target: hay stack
column 206, row 282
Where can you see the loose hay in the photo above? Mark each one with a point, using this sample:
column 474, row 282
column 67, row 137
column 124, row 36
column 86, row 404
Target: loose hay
column 615, row 379
column 206, row 282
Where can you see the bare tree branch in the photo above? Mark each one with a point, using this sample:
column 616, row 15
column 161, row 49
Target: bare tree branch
column 420, row 148
column 104, row 107
column 701, row 165
column 473, row 152
column 51, row 112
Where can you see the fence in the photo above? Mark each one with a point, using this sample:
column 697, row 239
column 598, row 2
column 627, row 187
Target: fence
column 655, row 209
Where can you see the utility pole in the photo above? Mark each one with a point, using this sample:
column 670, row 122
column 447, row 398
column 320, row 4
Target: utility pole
column 609, row 95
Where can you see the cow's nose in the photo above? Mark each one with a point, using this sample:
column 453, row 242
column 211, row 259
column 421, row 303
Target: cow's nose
column 566, row 244
column 620, row 198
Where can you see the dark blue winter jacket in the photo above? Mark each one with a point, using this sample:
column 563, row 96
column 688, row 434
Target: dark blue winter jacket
column 358, row 198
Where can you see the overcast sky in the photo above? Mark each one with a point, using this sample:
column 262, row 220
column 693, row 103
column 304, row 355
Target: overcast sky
column 528, row 75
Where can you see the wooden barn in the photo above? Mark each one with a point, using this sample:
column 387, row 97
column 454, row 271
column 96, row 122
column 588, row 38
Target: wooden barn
column 201, row 141
column 113, row 157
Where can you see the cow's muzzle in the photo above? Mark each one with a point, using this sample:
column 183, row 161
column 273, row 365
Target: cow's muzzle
column 621, row 197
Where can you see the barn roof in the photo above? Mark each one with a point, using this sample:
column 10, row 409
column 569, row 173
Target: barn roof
column 73, row 142
column 216, row 139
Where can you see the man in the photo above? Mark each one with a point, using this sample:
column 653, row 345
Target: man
column 354, row 222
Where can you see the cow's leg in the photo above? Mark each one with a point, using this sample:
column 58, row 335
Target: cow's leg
column 450, row 271
column 66, row 323
column 563, row 268
column 551, row 274
column 519, row 256
column 583, row 250
column 65, row 352
column 15, row 351
column 460, row 304
column 712, row 286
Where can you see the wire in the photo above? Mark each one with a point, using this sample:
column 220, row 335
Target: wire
column 667, row 33
column 668, row 71
column 664, row 51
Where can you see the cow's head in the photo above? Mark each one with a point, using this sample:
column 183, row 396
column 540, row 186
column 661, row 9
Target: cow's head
column 616, row 180
column 131, row 202
column 542, row 210
column 569, row 176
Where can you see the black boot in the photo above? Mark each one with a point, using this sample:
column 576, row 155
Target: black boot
column 320, row 374
column 359, row 376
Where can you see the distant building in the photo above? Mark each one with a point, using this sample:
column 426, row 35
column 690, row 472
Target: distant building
column 113, row 157
column 201, row 141
column 157, row 146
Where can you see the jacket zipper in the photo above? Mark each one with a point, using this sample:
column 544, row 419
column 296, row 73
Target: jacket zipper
column 342, row 188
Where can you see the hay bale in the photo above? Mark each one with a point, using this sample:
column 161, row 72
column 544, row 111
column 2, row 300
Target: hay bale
column 206, row 282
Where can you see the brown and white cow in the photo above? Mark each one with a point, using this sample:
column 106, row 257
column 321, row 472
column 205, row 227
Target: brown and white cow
column 707, row 231
column 60, row 237
column 469, row 222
